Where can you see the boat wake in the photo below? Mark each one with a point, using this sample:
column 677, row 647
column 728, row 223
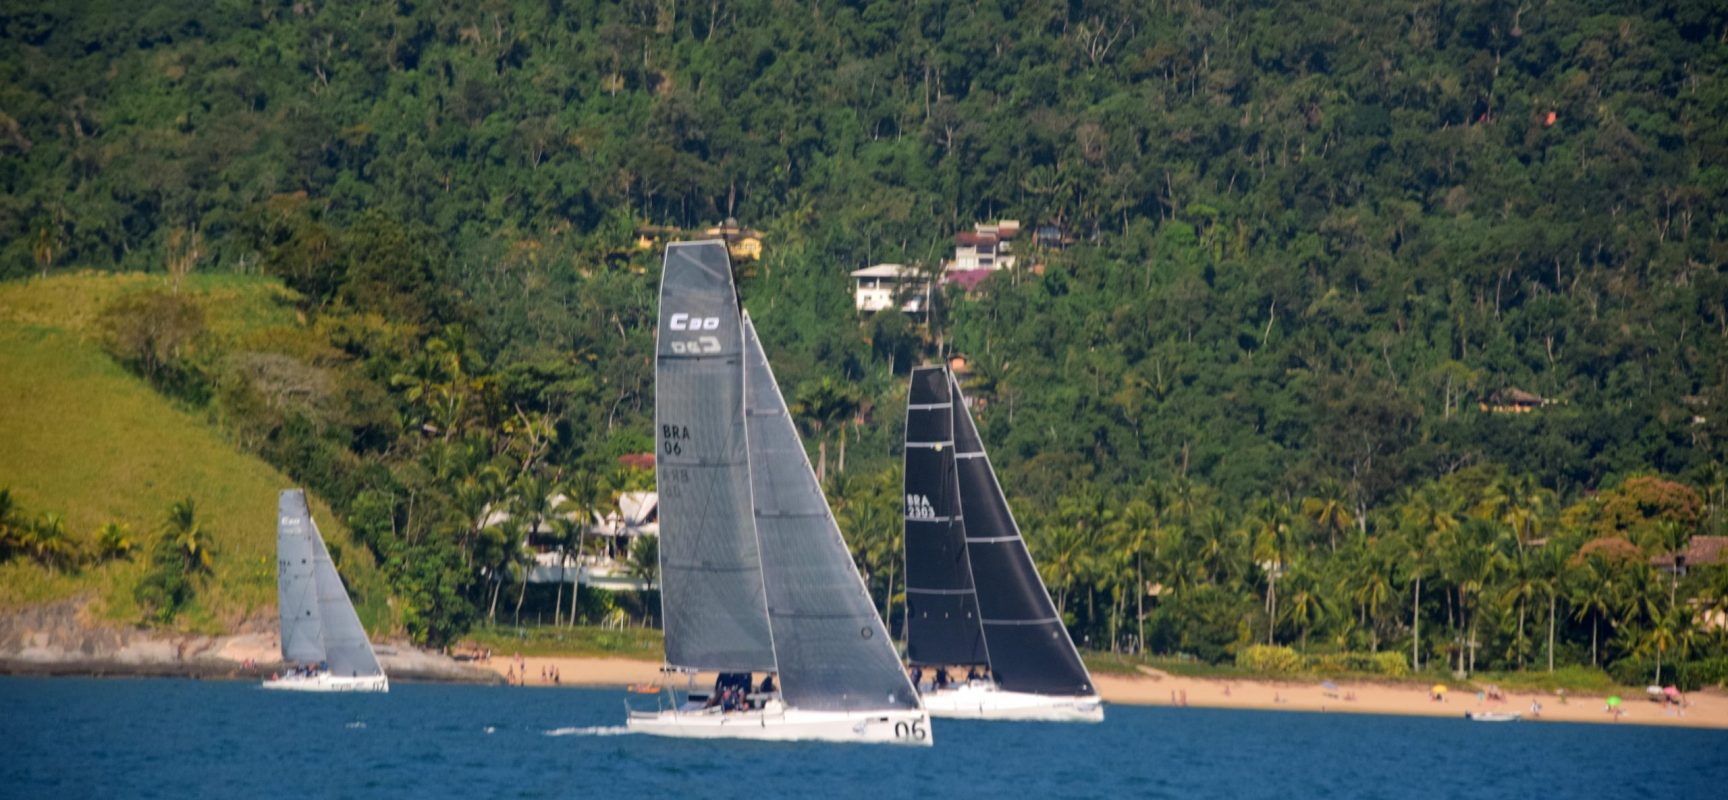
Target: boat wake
column 592, row 730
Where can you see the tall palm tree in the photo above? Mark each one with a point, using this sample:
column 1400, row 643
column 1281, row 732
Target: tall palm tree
column 1593, row 592
column 587, row 498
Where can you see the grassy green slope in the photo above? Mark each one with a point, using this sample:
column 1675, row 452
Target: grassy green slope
column 82, row 437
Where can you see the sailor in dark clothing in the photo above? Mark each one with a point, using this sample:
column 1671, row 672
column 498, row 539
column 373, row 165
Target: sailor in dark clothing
column 767, row 684
column 942, row 677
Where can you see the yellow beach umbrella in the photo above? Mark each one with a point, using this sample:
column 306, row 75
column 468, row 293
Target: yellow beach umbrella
column 1439, row 688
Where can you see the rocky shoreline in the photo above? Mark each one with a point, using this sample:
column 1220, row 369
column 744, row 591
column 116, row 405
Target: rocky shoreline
column 61, row 639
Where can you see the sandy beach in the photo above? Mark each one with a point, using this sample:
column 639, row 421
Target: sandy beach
column 1705, row 709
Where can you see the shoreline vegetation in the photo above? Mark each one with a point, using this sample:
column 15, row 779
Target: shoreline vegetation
column 1307, row 338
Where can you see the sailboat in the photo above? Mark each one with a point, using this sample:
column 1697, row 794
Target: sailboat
column 754, row 575
column 973, row 596
column 321, row 635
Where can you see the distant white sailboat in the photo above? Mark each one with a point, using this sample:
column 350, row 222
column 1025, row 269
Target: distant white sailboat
column 973, row 596
column 321, row 635
column 754, row 575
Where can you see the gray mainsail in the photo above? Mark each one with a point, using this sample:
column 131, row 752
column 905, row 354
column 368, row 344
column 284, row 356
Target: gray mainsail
column 710, row 566
column 941, row 604
column 296, row 590
column 347, row 651
column 1030, row 650
column 832, row 649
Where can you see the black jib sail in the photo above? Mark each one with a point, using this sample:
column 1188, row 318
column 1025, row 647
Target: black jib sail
column 942, row 625
column 1030, row 650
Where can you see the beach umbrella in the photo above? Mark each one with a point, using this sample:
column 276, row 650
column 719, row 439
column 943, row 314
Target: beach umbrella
column 1439, row 688
column 1328, row 685
column 1653, row 691
column 1613, row 700
column 1671, row 691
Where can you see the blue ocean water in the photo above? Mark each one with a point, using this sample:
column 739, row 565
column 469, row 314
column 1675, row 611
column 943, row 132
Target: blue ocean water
column 179, row 738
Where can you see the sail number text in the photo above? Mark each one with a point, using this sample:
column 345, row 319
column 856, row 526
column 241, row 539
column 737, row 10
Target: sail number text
column 913, row 730
column 700, row 344
column 672, row 438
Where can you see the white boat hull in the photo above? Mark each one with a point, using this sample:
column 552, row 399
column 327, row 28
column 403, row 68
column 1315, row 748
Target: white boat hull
column 788, row 725
column 325, row 682
column 974, row 701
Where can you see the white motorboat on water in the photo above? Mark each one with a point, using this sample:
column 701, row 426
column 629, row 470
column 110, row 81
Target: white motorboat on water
column 1493, row 716
column 973, row 596
column 321, row 635
column 754, row 575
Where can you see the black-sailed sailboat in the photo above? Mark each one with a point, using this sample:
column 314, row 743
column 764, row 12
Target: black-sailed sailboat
column 974, row 600
column 754, row 575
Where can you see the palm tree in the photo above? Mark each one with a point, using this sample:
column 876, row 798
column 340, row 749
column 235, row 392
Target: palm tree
column 47, row 542
column 586, row 499
column 1142, row 533
column 1422, row 518
column 1330, row 512
column 114, row 541
column 1304, row 607
column 1594, row 593
column 821, row 406
column 1272, row 535
column 11, row 534
column 187, row 538
column 533, row 503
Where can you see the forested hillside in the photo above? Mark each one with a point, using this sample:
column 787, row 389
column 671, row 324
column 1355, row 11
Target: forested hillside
column 1314, row 245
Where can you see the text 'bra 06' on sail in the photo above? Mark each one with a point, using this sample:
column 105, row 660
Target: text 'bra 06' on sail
column 983, row 638
column 754, row 576
column 322, row 639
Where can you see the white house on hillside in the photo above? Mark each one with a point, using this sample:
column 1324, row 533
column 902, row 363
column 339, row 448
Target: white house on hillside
column 887, row 285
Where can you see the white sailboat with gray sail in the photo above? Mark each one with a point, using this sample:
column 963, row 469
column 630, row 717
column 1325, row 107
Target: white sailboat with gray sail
column 755, row 577
column 322, row 639
column 982, row 636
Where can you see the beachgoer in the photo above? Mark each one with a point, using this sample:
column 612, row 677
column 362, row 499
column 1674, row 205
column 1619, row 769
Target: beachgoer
column 1184, row 698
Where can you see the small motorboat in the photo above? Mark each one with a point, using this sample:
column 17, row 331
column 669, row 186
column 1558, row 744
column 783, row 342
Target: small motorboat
column 1492, row 716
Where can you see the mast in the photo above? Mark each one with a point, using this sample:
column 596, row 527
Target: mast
column 711, row 593
column 942, row 624
column 1030, row 649
column 833, row 651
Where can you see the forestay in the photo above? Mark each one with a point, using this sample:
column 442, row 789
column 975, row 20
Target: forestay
column 296, row 589
column 1030, row 650
column 942, row 624
column 834, row 653
column 710, row 569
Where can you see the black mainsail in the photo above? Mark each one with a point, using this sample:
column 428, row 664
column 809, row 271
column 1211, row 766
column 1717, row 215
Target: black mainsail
column 833, row 652
column 1028, row 648
column 711, row 593
column 942, row 625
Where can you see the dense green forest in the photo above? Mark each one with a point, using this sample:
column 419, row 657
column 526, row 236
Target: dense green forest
column 1313, row 242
